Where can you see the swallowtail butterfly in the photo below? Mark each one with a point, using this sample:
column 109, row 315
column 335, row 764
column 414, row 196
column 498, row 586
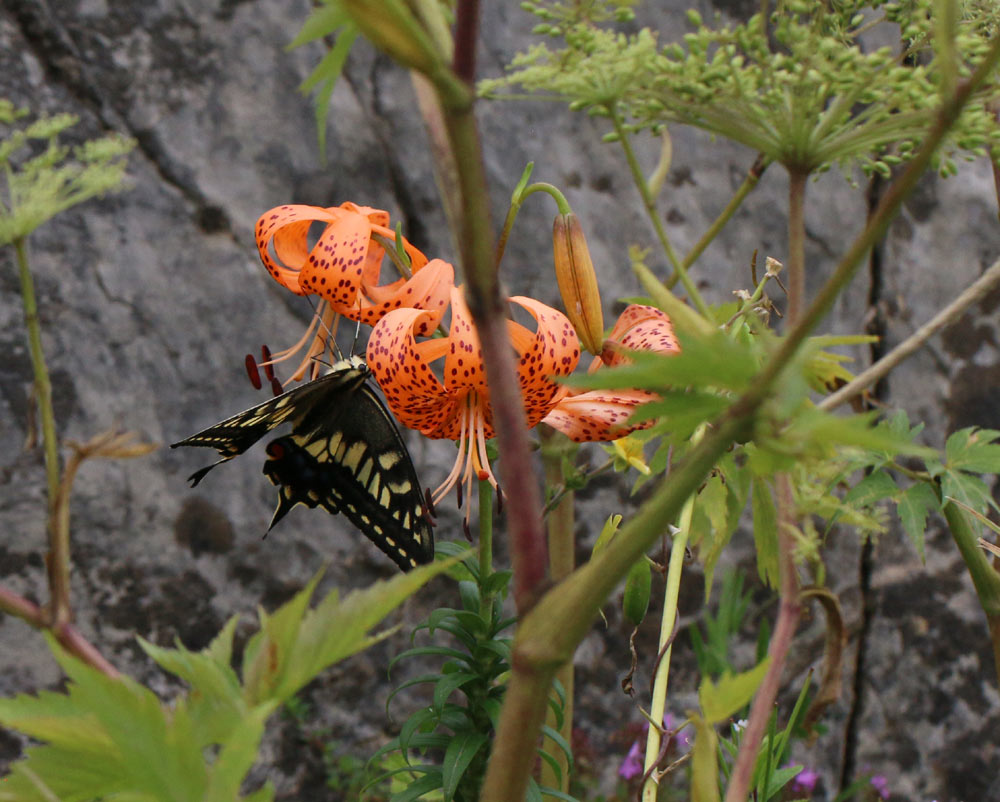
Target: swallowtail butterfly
column 344, row 454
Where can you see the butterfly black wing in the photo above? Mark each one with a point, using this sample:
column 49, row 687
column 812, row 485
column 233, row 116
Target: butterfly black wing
column 235, row 435
column 356, row 463
column 344, row 454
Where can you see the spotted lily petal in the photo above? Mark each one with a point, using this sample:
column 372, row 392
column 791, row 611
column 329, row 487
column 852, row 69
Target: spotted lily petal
column 344, row 266
column 601, row 415
column 457, row 406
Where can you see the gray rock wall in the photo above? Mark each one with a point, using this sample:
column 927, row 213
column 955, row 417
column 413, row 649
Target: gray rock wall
column 150, row 299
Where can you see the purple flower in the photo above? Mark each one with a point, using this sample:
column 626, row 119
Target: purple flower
column 881, row 785
column 631, row 767
column 805, row 781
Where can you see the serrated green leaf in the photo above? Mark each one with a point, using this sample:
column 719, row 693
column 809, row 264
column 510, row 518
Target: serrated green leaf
column 237, row 755
column 913, row 506
column 973, row 450
column 874, row 487
column 970, row 490
column 159, row 754
column 301, row 642
column 733, row 692
column 218, row 705
column 461, row 751
column 714, row 360
column 765, row 531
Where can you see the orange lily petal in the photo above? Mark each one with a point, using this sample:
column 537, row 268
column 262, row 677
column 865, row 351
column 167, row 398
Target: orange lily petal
column 553, row 350
column 640, row 328
column 344, row 265
column 598, row 415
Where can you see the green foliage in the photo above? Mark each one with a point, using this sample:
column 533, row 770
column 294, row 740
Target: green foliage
column 712, row 640
column 451, row 734
column 328, row 19
column 798, row 87
column 111, row 737
column 39, row 178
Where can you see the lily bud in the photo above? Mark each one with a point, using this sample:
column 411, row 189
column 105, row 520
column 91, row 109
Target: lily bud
column 577, row 281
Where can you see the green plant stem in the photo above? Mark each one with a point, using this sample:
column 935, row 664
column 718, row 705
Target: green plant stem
column 58, row 557
column 43, row 387
column 974, row 293
column 517, row 200
column 528, row 552
column 560, row 523
column 650, row 205
column 760, row 164
column 485, row 548
column 668, row 623
column 985, row 578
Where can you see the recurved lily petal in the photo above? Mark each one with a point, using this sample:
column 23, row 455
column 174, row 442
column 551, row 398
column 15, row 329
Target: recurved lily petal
column 600, row 415
column 553, row 350
column 343, row 267
column 638, row 328
column 457, row 405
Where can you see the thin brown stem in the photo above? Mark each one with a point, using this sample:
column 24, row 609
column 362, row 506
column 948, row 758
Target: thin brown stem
column 524, row 519
column 789, row 612
column 972, row 294
column 466, row 28
column 66, row 634
column 796, row 263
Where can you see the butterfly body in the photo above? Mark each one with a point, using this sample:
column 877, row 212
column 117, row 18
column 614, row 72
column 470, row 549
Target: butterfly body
column 344, row 454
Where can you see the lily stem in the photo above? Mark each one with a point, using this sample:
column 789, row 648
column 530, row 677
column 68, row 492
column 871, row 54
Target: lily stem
column 559, row 523
column 649, row 202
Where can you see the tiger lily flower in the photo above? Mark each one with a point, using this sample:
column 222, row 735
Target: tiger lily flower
column 601, row 415
column 457, row 407
column 342, row 269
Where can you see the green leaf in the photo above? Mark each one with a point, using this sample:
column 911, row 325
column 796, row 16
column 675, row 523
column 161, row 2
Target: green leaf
column 295, row 644
column 973, row 450
column 970, row 490
column 237, row 756
column 913, row 506
column 323, row 21
column 448, row 684
column 462, row 749
column 218, row 705
column 704, row 762
column 732, row 693
column 765, row 531
column 714, row 360
column 874, row 487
